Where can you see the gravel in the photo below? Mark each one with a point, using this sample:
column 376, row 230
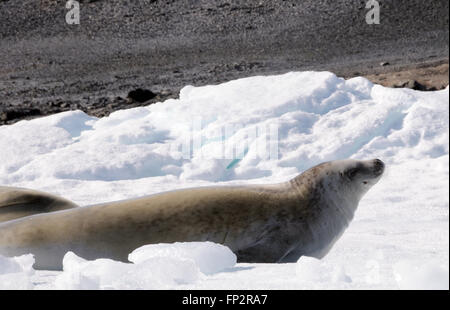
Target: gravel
column 48, row 66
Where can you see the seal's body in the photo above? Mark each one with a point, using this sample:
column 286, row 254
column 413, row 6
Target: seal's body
column 20, row 202
column 261, row 223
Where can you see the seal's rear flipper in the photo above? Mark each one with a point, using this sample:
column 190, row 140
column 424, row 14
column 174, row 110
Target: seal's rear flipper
column 19, row 202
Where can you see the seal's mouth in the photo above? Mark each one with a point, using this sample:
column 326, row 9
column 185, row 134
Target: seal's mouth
column 378, row 167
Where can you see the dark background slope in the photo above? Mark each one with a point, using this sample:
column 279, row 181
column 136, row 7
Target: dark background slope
column 47, row 65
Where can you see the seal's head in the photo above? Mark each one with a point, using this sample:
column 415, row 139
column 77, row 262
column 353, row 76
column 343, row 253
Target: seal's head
column 342, row 181
column 358, row 176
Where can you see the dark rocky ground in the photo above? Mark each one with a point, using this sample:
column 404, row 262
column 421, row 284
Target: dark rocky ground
column 48, row 66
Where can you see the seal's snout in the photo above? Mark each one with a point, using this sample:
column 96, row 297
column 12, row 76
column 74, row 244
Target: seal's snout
column 378, row 167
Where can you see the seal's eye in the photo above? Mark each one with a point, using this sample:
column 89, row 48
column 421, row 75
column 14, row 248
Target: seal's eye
column 351, row 173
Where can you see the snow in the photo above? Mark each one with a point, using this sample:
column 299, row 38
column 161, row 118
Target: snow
column 263, row 129
column 209, row 257
column 156, row 266
column 418, row 276
column 159, row 272
column 16, row 272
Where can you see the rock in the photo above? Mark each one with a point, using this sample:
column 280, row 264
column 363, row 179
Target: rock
column 141, row 95
column 18, row 114
column 165, row 92
column 413, row 84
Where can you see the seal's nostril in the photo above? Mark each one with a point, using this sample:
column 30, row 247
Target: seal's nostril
column 378, row 165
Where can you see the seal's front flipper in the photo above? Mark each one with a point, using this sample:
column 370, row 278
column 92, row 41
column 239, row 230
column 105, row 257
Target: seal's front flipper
column 19, row 202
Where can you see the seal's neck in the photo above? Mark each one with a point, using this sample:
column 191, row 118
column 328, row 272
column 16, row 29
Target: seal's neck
column 325, row 193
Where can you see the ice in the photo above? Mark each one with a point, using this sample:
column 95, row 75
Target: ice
column 221, row 134
column 16, row 272
column 159, row 266
column 209, row 257
column 154, row 273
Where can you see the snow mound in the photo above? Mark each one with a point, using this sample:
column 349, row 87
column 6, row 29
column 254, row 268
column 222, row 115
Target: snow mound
column 160, row 266
column 208, row 256
column 252, row 128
